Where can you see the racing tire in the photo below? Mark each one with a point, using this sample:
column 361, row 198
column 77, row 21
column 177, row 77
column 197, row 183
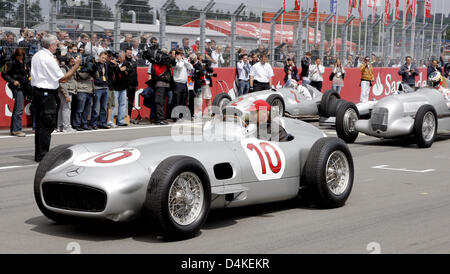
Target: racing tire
column 53, row 158
column 276, row 100
column 425, row 126
column 165, row 192
column 330, row 158
column 221, row 100
column 328, row 102
column 346, row 116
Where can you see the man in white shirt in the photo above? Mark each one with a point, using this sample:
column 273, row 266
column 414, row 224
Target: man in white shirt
column 243, row 70
column 261, row 75
column 45, row 78
column 316, row 72
column 180, row 78
column 217, row 57
column 92, row 44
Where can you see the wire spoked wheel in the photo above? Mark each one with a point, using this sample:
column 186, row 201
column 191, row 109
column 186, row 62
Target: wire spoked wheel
column 337, row 173
column 186, row 197
column 425, row 126
column 350, row 118
column 428, row 126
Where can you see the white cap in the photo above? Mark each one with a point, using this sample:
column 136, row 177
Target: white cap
column 207, row 41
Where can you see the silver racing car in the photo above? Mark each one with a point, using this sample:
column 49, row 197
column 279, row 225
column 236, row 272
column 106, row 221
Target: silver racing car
column 421, row 114
column 294, row 101
column 174, row 182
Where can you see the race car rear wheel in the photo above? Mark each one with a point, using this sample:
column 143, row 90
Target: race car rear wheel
column 328, row 103
column 53, row 158
column 275, row 100
column 425, row 126
column 329, row 172
column 178, row 197
column 221, row 101
column 346, row 117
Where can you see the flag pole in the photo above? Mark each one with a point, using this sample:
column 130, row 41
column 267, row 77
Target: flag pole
column 316, row 32
column 307, row 30
column 423, row 31
column 413, row 28
column 336, row 29
column 441, row 33
column 432, row 32
column 365, row 34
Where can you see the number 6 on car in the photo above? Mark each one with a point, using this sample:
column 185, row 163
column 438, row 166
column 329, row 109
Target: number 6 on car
column 266, row 158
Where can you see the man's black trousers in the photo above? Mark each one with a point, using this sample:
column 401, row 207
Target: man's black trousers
column 44, row 101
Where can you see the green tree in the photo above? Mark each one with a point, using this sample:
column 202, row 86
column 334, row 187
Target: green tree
column 179, row 17
column 101, row 11
column 33, row 14
column 7, row 8
column 142, row 9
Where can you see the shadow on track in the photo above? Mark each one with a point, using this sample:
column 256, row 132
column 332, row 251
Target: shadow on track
column 99, row 231
column 406, row 142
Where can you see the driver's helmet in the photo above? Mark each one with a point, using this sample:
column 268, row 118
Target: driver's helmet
column 435, row 79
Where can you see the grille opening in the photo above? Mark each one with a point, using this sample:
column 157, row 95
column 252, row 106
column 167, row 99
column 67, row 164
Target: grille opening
column 74, row 197
column 223, row 171
column 379, row 119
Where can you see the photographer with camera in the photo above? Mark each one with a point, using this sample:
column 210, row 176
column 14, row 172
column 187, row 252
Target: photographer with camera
column 366, row 79
column 180, row 78
column 120, row 85
column 132, row 78
column 66, row 91
column 111, row 61
column 408, row 72
column 161, row 75
column 202, row 84
column 101, row 88
column 85, row 88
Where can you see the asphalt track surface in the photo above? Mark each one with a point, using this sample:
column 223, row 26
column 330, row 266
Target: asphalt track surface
column 400, row 203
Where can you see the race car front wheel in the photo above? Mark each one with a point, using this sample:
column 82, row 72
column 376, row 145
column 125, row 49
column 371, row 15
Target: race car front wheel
column 329, row 173
column 53, row 158
column 346, row 117
column 425, row 126
column 178, row 197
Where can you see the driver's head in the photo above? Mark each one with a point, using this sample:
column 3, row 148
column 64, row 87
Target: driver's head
column 435, row 79
column 259, row 112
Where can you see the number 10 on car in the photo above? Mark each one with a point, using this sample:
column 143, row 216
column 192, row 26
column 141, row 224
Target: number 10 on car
column 266, row 158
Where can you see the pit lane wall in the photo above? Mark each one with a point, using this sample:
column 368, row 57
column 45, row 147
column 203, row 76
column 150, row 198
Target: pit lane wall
column 386, row 81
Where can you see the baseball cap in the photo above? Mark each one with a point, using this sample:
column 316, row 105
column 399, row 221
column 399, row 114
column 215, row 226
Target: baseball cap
column 207, row 41
column 259, row 105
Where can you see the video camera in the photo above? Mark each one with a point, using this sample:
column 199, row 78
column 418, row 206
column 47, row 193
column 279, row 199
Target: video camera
column 155, row 56
column 88, row 64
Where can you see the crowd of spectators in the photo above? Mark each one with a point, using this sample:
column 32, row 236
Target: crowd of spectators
column 107, row 80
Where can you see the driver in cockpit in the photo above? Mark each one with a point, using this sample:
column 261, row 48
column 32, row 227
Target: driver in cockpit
column 438, row 82
column 266, row 128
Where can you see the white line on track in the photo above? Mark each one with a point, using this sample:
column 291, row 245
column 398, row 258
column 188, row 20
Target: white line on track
column 12, row 167
column 386, row 167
